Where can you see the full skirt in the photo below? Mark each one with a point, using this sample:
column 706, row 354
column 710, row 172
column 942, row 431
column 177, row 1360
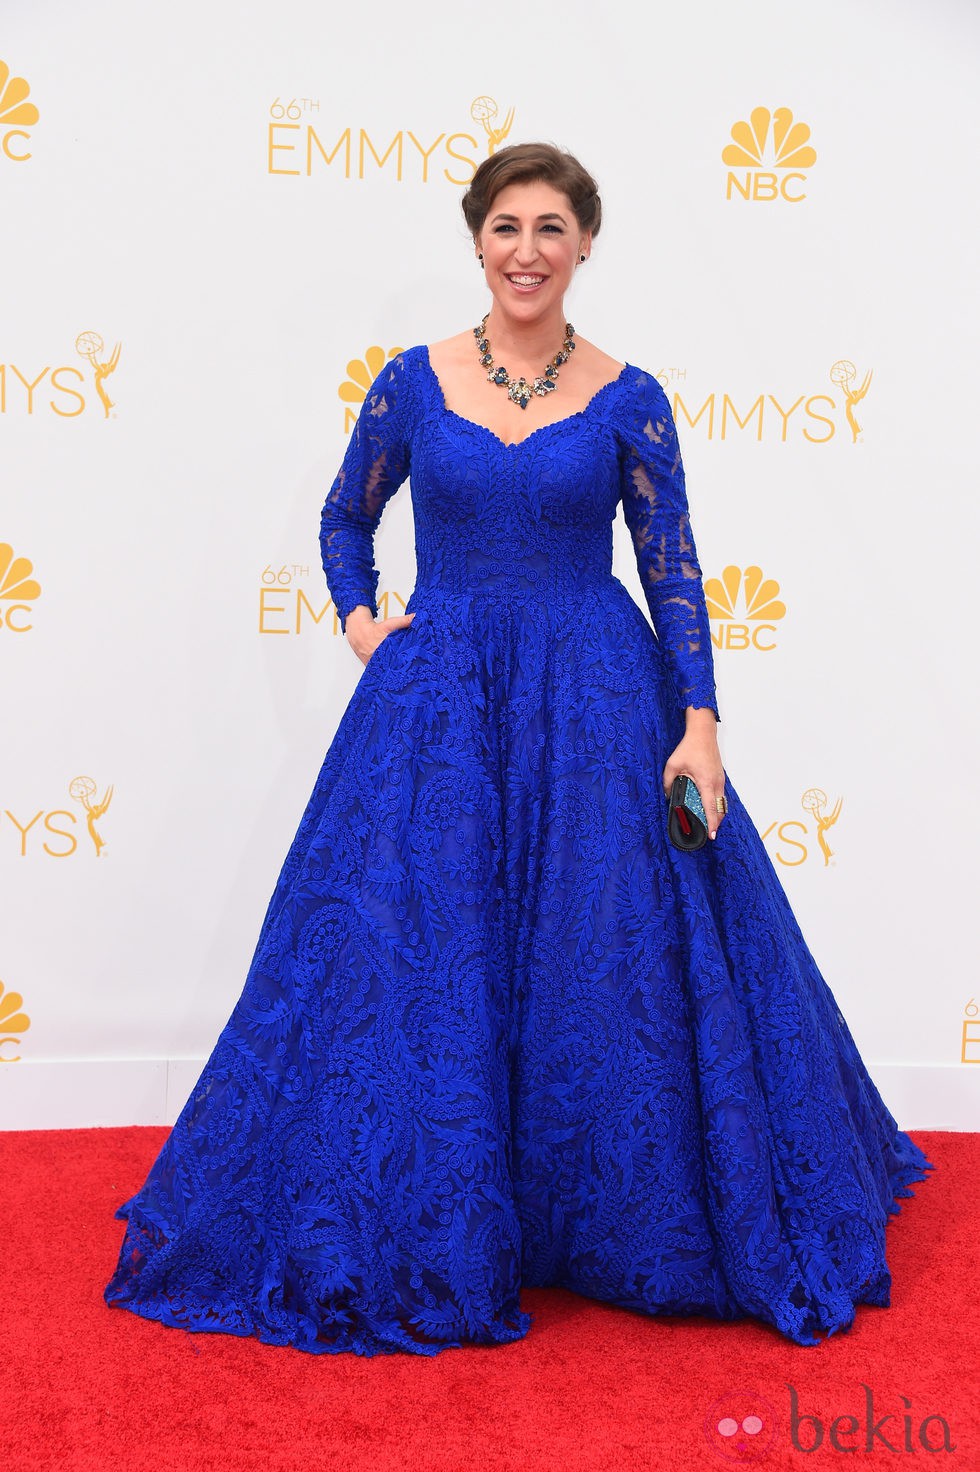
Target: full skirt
column 498, row 1032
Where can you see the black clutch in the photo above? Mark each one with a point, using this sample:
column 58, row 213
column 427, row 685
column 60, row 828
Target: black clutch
column 687, row 824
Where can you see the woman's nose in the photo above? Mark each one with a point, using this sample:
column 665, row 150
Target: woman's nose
column 525, row 250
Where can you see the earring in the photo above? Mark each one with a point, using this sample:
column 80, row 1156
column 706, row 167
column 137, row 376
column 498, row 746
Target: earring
column 481, row 258
column 581, row 258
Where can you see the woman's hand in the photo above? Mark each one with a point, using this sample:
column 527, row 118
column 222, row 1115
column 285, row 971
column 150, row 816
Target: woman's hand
column 698, row 756
column 364, row 632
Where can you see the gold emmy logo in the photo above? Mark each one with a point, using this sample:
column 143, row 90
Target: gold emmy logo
column 484, row 110
column 760, row 602
column 83, row 789
column 299, row 144
column 771, row 138
column 13, row 1022
column 361, row 373
column 90, row 345
column 16, row 113
column 813, row 801
column 285, row 606
column 18, row 590
column 793, row 833
column 720, row 416
column 844, row 374
column 970, row 1043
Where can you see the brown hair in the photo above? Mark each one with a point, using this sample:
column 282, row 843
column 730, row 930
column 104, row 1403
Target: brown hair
column 525, row 163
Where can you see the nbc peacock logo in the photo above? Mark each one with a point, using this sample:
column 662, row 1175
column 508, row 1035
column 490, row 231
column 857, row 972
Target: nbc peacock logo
column 754, row 596
column 18, row 591
column 768, row 157
column 361, row 373
column 14, row 1022
column 17, row 115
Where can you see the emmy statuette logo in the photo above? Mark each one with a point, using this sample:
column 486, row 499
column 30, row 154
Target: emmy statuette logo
column 83, row 790
column 844, row 376
column 91, row 347
column 485, row 110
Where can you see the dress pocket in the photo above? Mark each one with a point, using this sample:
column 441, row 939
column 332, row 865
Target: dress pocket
column 372, row 657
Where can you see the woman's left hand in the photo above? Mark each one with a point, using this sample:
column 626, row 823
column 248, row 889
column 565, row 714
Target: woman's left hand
column 698, row 756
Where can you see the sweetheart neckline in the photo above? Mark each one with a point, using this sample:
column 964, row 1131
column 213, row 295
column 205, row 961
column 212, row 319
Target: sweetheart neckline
column 514, row 444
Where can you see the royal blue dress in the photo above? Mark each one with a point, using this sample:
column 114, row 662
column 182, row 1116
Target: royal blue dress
column 497, row 1031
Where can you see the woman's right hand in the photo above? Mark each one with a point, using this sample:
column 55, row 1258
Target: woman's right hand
column 364, row 632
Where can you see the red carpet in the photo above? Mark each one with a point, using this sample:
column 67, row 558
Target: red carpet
column 591, row 1389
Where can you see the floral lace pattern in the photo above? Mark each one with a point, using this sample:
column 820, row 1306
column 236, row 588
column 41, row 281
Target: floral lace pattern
column 496, row 1031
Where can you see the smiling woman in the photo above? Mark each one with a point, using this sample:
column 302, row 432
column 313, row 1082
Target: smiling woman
column 498, row 1031
column 533, row 212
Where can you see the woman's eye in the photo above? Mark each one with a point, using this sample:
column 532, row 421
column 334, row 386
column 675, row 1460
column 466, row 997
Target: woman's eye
column 500, row 229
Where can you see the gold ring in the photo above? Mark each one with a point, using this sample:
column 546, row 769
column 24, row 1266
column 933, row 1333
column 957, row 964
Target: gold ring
column 721, row 804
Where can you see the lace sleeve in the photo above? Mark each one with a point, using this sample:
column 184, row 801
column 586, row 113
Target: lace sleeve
column 375, row 465
column 656, row 511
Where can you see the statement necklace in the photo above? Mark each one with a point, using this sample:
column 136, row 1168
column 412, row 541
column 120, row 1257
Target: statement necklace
column 518, row 389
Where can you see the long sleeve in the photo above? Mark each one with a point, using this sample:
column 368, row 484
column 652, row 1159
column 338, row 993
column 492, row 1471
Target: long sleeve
column 656, row 512
column 375, row 464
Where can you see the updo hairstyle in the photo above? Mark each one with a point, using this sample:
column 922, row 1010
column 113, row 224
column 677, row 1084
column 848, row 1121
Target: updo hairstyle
column 526, row 163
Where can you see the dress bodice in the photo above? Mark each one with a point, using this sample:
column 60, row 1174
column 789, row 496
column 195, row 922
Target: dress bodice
column 531, row 520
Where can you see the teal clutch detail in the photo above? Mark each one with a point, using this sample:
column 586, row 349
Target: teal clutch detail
column 687, row 823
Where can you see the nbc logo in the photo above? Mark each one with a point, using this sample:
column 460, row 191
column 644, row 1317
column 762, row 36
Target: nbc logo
column 769, row 141
column 16, row 115
column 13, row 1022
column 18, row 590
column 760, row 603
column 361, row 373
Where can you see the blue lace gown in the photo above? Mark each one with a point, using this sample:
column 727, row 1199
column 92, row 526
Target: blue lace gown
column 497, row 1031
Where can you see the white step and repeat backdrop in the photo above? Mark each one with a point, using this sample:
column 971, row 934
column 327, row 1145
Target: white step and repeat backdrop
column 221, row 218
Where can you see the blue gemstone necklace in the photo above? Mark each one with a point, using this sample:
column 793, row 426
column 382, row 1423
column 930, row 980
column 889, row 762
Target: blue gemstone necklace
column 518, row 389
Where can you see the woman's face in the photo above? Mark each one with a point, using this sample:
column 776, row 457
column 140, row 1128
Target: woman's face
column 531, row 243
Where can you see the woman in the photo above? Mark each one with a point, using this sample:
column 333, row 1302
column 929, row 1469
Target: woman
column 498, row 1031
